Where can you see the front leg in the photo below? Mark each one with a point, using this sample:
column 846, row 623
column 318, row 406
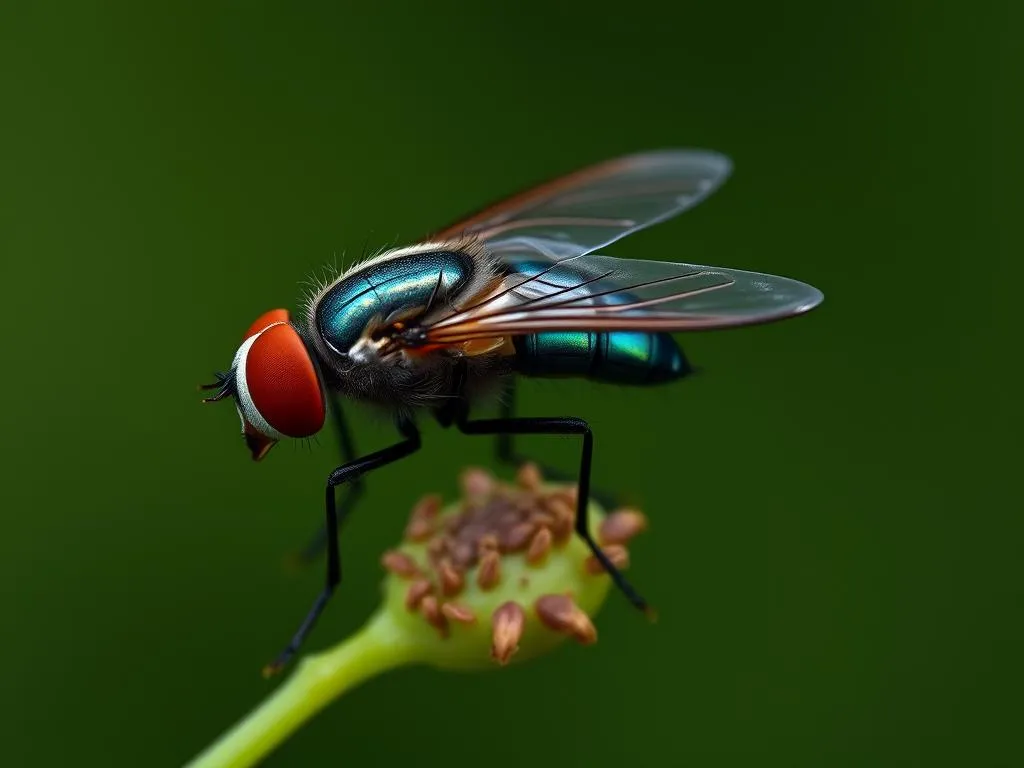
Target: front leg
column 562, row 426
column 318, row 541
column 345, row 474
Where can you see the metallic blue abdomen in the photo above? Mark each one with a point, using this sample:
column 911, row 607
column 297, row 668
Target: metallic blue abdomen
column 617, row 357
column 404, row 283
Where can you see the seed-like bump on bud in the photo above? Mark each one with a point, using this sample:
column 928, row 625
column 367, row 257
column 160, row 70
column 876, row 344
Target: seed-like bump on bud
column 508, row 519
column 436, row 548
column 486, row 543
column 621, row 526
column 458, row 612
column 616, row 553
column 489, row 573
column 542, row 518
column 423, row 519
column 539, row 547
column 399, row 564
column 529, row 477
column 525, row 503
column 569, row 495
column 564, row 515
column 452, row 580
column 517, row 537
column 561, row 614
column 476, row 483
column 416, row 592
column 507, row 624
column 419, row 530
column 462, row 553
column 432, row 613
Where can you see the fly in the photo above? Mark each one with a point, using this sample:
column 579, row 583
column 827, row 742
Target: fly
column 517, row 289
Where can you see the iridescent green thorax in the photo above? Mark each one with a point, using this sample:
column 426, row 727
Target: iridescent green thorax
column 399, row 284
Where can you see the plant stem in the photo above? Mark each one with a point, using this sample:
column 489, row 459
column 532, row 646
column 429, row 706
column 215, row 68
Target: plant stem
column 316, row 681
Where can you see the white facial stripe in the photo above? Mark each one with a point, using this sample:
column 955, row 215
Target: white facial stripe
column 247, row 408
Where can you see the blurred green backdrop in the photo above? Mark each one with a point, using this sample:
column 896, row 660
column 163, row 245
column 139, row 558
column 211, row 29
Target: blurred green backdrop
column 834, row 553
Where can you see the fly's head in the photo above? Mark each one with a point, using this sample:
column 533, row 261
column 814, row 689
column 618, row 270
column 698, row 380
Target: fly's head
column 274, row 383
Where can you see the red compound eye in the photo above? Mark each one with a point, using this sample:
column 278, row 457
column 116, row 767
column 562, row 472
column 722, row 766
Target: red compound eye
column 265, row 320
column 282, row 383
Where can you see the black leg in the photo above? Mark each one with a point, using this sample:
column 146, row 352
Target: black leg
column 506, row 452
column 345, row 474
column 316, row 544
column 561, row 426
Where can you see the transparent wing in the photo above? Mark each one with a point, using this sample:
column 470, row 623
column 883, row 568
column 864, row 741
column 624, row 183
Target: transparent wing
column 542, row 292
column 595, row 206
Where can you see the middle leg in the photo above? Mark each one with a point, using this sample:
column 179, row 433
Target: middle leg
column 506, row 452
column 562, row 426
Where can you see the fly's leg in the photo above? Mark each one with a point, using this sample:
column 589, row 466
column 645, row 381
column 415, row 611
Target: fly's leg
column 346, row 474
column 561, row 426
column 318, row 541
column 506, row 452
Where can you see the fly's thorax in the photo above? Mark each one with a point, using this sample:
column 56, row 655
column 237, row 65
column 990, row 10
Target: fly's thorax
column 395, row 287
column 357, row 323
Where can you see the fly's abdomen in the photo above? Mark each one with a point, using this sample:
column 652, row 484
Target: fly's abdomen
column 616, row 357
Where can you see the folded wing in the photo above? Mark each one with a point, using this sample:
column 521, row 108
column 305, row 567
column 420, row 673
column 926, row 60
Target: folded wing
column 593, row 207
column 601, row 293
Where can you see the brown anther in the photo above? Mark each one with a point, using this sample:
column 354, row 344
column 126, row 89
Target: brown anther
column 486, row 543
column 565, row 517
column 525, row 504
column 561, row 614
column 621, row 526
column 458, row 612
column 472, row 531
column 476, row 483
column 616, row 553
column 507, row 624
column 508, row 519
column 452, row 580
column 539, row 547
column 489, row 573
column 529, row 477
column 569, row 495
column 543, row 518
column 399, row 564
column 462, row 553
column 517, row 537
column 419, row 529
column 418, row 590
column 423, row 519
column 432, row 613
column 436, row 548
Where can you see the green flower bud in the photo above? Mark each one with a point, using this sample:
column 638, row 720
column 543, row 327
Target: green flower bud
column 497, row 577
column 498, row 572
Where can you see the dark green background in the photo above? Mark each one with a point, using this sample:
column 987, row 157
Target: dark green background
column 835, row 551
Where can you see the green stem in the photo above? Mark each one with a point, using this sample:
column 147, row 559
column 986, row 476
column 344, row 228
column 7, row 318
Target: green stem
column 318, row 680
